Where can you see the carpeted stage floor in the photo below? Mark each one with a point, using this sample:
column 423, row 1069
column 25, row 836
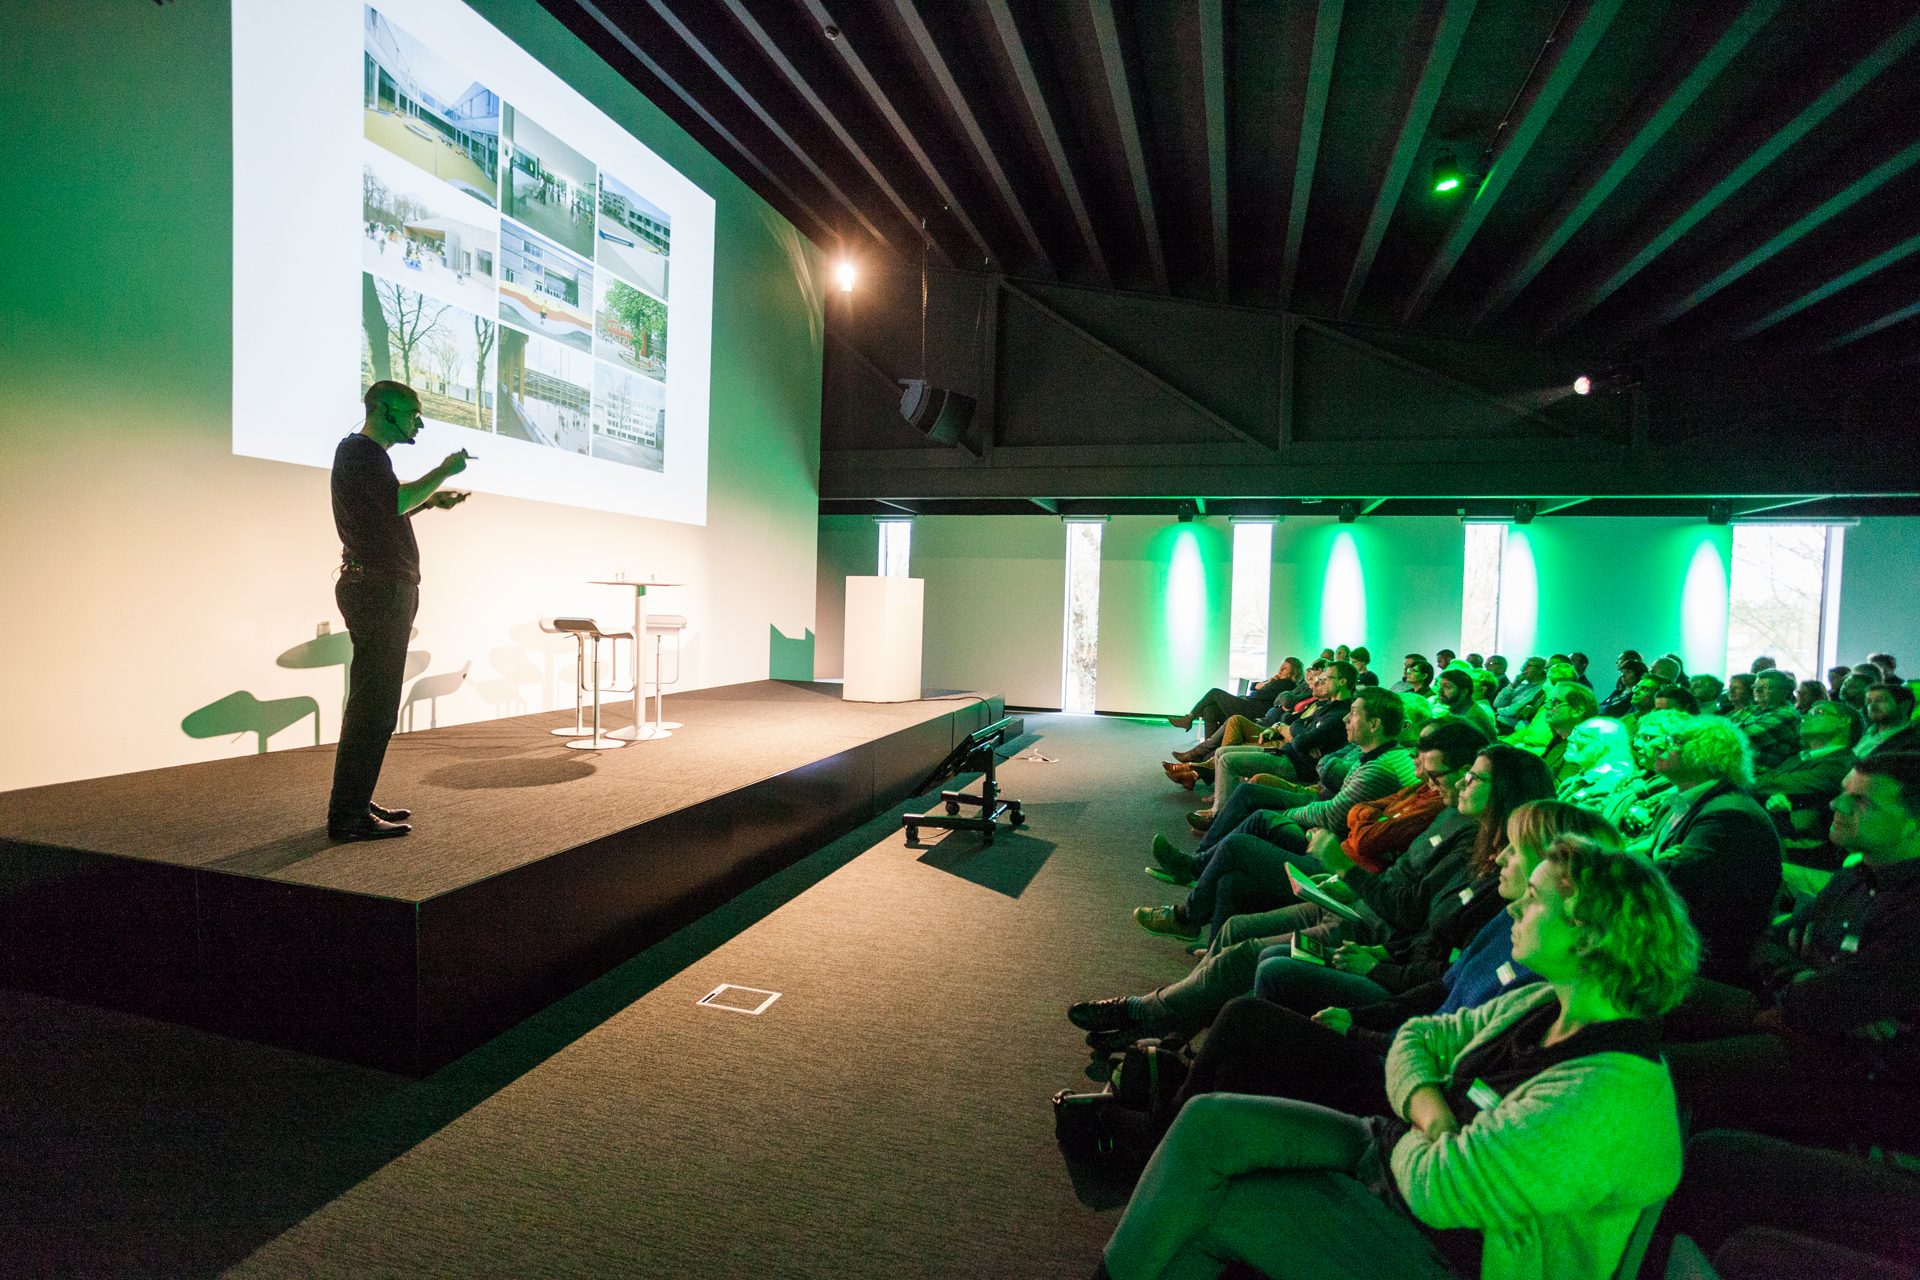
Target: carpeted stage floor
column 886, row 1117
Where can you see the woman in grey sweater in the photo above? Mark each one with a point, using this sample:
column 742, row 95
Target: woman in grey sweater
column 1528, row 1133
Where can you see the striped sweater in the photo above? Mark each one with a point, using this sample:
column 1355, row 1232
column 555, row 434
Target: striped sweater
column 1380, row 772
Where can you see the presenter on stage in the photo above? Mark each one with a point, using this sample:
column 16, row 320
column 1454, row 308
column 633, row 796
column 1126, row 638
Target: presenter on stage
column 378, row 593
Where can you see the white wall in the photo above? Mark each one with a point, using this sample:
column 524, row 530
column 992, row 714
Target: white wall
column 151, row 572
column 996, row 604
column 1391, row 584
column 1165, row 591
column 1880, row 592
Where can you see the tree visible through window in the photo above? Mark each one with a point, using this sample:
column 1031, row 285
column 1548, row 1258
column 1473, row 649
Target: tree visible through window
column 1480, row 590
column 1081, row 667
column 1778, row 590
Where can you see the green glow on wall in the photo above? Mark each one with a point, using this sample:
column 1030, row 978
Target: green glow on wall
column 1188, row 612
column 1519, row 598
column 1343, row 594
column 1703, row 606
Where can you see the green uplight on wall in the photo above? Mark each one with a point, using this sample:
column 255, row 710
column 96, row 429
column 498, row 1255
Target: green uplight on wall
column 1187, row 608
column 1703, row 604
column 1519, row 597
column 1343, row 594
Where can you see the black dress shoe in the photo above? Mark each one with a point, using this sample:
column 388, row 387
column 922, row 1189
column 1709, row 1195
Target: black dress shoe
column 368, row 828
column 1101, row 1015
column 388, row 815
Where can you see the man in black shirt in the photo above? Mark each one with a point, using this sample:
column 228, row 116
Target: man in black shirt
column 378, row 593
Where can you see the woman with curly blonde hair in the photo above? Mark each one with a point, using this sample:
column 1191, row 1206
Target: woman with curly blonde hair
column 1528, row 1134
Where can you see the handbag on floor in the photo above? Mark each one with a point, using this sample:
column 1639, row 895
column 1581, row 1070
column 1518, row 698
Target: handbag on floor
column 1147, row 1074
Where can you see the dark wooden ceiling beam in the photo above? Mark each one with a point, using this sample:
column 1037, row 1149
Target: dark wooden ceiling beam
column 1573, row 214
column 1016, row 50
column 957, row 103
column 1584, row 300
column 843, row 45
column 765, row 117
column 1570, row 60
column 775, row 55
column 1114, row 63
column 674, row 87
column 1713, row 279
column 1447, row 37
column 1899, row 315
column 1213, row 90
column 1820, row 293
column 1313, row 115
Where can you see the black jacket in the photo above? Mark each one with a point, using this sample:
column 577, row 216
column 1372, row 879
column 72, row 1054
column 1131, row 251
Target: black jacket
column 1723, row 858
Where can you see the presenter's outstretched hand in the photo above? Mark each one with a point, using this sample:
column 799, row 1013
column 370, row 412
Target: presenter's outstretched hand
column 446, row 499
column 454, row 463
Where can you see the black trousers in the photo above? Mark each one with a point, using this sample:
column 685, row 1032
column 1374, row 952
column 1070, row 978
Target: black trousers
column 1217, row 704
column 379, row 610
column 1256, row 1046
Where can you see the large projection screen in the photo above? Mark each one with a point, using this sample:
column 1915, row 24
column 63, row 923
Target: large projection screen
column 415, row 197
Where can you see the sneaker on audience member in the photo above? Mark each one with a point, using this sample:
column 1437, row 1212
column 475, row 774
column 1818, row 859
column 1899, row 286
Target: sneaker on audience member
column 1165, row 921
column 1200, row 820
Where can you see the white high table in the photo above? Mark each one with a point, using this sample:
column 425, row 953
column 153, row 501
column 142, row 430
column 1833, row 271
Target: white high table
column 640, row 730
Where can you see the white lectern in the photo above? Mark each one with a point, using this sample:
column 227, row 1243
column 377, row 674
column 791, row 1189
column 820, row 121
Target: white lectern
column 884, row 618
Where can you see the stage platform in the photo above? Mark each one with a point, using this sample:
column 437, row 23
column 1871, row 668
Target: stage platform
column 209, row 894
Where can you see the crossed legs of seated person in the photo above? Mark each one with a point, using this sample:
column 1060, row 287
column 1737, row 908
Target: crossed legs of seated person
column 1268, row 1183
column 1214, row 707
column 1242, row 875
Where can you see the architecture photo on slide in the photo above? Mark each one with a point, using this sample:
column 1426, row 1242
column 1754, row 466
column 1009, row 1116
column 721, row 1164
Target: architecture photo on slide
column 550, row 187
column 425, row 234
column 630, row 327
column 544, row 289
column 629, row 418
column 445, row 353
column 636, row 237
column 546, row 391
column 430, row 114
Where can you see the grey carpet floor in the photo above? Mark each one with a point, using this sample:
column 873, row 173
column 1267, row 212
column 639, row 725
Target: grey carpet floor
column 887, row 1116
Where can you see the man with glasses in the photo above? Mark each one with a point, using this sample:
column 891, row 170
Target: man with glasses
column 1796, row 793
column 378, row 593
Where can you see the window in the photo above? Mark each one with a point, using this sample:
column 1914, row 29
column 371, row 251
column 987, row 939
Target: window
column 1081, row 659
column 1252, row 583
column 896, row 544
column 1784, row 597
column 1480, row 590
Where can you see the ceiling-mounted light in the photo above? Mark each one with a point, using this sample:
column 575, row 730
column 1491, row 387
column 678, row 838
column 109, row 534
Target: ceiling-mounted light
column 845, row 275
column 1447, row 174
column 1349, row 512
column 1583, row 385
column 1523, row 513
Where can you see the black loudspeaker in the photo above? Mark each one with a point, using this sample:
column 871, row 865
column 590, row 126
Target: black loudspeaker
column 936, row 413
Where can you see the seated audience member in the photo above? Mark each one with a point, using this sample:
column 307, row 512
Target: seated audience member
column 1772, row 725
column 1622, row 681
column 1806, row 694
column 1636, row 807
column 1835, row 677
column 1300, row 747
column 1444, row 659
column 1336, row 1056
column 1646, row 700
column 1853, row 690
column 1668, row 669
column 1567, row 707
column 1367, row 680
column 1762, row 663
column 1341, row 653
column 1226, row 969
column 1456, row 697
column 1619, row 703
column 1873, row 671
column 1490, row 1106
column 1406, row 672
column 1580, row 661
column 1601, row 750
column 1796, row 793
column 1486, row 687
column 1497, row 664
column 1247, row 871
column 1885, row 662
column 1889, row 716
column 1362, row 659
column 1675, row 697
column 1707, row 691
column 1714, row 843
column 1217, row 704
column 1519, row 700
column 1822, row 1045
column 1476, row 661
column 1735, row 1182
column 1419, row 678
column 1739, row 699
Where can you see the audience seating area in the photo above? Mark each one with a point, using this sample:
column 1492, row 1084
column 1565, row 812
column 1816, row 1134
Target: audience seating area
column 1521, row 970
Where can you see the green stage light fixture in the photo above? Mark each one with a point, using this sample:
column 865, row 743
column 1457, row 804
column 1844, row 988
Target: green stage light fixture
column 1447, row 175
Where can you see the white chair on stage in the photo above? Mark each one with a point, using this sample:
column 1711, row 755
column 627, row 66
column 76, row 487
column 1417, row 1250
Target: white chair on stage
column 583, row 630
column 659, row 627
column 430, row 689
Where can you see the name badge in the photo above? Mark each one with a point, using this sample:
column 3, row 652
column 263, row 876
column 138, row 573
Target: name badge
column 1850, row 943
column 1454, row 957
column 1506, row 974
column 1466, row 895
column 1435, row 840
column 1483, row 1096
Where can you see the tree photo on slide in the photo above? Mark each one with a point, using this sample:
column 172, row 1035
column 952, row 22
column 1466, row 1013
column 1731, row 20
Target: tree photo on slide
column 643, row 316
column 427, row 345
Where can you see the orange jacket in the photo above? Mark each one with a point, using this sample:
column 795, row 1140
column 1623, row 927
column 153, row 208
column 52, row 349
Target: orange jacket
column 1379, row 831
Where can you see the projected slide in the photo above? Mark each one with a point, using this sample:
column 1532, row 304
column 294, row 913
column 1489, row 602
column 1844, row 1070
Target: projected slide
column 509, row 256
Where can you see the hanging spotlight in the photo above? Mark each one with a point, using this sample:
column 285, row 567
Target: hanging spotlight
column 1349, row 512
column 845, row 276
column 1447, row 174
column 1523, row 513
column 1583, row 385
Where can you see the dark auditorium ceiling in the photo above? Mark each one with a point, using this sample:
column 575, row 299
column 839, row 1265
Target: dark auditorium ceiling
column 1687, row 173
column 1643, row 180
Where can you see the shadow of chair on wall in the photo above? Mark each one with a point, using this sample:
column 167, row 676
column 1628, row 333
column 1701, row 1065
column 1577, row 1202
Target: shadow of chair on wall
column 430, row 689
column 241, row 712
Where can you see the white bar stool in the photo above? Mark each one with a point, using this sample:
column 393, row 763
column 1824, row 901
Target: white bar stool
column 582, row 630
column 659, row 627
